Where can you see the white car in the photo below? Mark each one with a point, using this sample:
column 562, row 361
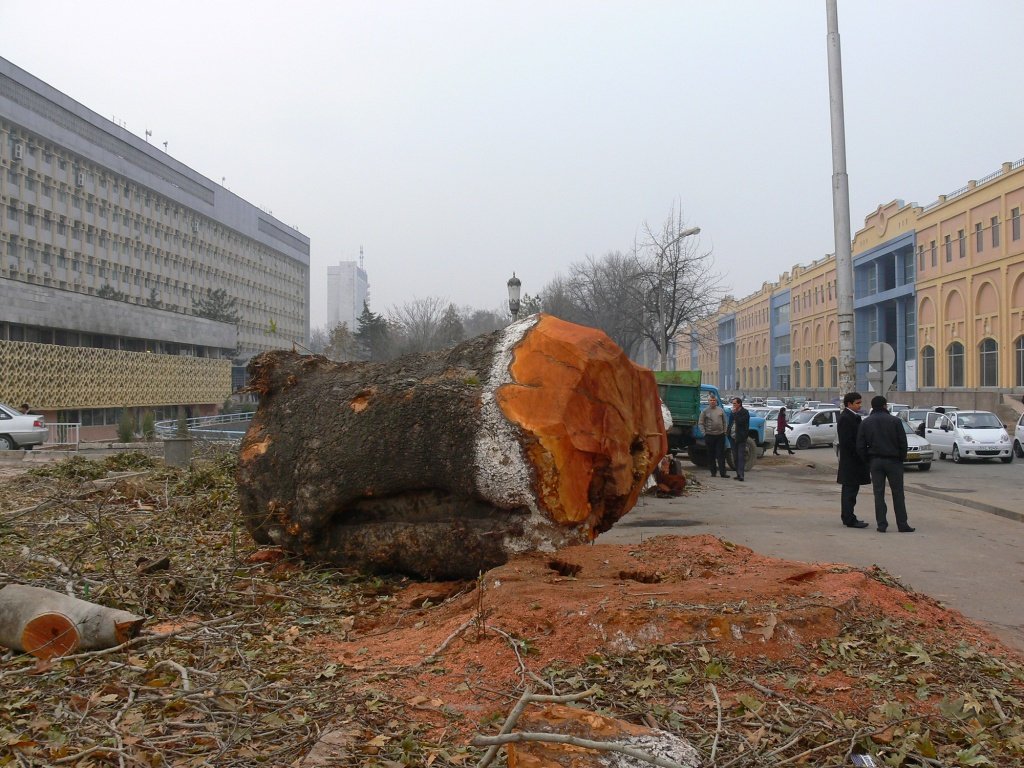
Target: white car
column 813, row 427
column 968, row 435
column 18, row 430
column 1018, row 438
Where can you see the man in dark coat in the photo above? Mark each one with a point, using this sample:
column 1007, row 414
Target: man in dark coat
column 853, row 472
column 739, row 430
column 882, row 443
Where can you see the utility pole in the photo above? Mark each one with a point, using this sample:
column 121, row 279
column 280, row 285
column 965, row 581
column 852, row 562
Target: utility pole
column 841, row 205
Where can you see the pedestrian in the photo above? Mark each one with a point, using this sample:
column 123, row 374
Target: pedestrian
column 853, row 472
column 24, row 408
column 739, row 430
column 781, row 438
column 713, row 422
column 667, row 482
column 882, row 444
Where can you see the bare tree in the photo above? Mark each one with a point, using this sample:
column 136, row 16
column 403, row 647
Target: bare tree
column 418, row 324
column 477, row 321
column 318, row 340
column 341, row 344
column 677, row 281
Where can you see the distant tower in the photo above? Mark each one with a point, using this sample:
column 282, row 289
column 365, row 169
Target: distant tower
column 347, row 288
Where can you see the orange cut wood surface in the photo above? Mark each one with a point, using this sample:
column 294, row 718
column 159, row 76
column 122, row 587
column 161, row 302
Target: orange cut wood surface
column 594, row 415
column 49, row 635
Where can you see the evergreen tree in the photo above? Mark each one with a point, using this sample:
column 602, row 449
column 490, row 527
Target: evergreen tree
column 451, row 331
column 216, row 305
column 341, row 344
column 373, row 336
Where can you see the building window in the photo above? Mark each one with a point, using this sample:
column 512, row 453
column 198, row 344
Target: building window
column 935, row 260
column 962, row 240
column 807, row 372
column 796, row 374
column 821, row 373
column 988, row 352
column 995, row 231
column 920, row 258
column 1018, row 361
column 1015, row 224
column 872, row 280
column 948, row 244
column 928, row 367
column 955, row 355
column 979, row 238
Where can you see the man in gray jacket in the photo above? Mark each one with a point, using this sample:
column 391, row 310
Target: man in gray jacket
column 713, row 422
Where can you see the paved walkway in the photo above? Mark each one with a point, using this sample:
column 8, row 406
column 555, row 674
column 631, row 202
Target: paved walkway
column 966, row 552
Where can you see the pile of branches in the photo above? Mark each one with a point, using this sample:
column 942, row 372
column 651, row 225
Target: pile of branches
column 226, row 672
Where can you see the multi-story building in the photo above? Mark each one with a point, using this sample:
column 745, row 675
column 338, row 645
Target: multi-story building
column 347, row 289
column 942, row 284
column 106, row 245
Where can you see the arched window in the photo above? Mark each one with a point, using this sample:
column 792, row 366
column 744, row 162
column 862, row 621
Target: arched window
column 955, row 354
column 796, row 374
column 988, row 363
column 767, row 381
column 928, row 367
column 807, row 373
column 1018, row 361
column 757, row 377
column 833, row 372
column 820, row 365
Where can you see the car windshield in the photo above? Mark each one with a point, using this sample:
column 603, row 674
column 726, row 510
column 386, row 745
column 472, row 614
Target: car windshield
column 802, row 417
column 982, row 420
column 917, row 414
column 908, row 429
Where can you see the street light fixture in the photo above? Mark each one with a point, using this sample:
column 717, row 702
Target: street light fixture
column 514, row 285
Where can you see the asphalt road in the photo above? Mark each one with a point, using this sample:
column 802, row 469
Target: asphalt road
column 967, row 551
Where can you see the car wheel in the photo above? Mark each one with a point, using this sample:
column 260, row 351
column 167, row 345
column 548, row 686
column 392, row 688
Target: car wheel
column 803, row 442
column 6, row 443
column 956, row 454
column 752, row 453
column 1006, row 459
column 698, row 456
column 924, row 467
column 942, row 456
column 1018, row 449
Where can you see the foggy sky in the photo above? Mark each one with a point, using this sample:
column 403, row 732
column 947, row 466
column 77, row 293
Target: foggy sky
column 459, row 141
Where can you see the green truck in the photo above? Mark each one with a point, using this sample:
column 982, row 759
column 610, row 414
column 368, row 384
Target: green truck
column 685, row 397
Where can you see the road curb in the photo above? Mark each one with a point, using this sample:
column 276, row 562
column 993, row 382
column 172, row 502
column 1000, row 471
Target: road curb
column 981, row 507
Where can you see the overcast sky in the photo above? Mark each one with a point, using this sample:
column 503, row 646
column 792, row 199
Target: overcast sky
column 459, row 141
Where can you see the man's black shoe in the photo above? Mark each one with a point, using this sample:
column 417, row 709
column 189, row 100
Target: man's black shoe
column 714, row 474
column 724, row 475
column 857, row 524
column 738, row 478
column 908, row 529
column 880, row 530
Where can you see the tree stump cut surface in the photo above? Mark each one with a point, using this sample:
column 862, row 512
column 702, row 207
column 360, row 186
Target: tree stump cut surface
column 444, row 464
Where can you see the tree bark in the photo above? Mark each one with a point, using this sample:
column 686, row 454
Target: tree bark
column 443, row 464
column 48, row 624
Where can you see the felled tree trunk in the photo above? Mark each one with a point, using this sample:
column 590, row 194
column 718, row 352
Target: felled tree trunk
column 48, row 624
column 444, row 464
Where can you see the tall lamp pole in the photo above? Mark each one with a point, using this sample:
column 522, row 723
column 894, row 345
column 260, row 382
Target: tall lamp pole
column 514, row 285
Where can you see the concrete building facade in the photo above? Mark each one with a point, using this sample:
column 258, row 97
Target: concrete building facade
column 943, row 284
column 105, row 243
column 347, row 290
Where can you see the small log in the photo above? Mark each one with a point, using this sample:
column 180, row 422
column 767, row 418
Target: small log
column 442, row 465
column 47, row 624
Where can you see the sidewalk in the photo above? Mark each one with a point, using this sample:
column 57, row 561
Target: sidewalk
column 965, row 552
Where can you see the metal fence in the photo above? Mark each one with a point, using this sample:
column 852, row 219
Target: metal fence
column 225, row 426
column 64, row 434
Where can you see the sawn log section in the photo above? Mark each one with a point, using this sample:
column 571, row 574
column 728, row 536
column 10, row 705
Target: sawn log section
column 441, row 465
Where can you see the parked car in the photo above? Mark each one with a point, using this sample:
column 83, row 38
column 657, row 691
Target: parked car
column 968, row 435
column 774, row 402
column 813, row 427
column 18, row 430
column 1018, row 438
column 919, row 451
column 897, row 408
column 914, row 417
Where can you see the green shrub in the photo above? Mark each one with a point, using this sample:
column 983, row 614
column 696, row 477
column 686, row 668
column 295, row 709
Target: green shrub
column 149, row 425
column 126, row 427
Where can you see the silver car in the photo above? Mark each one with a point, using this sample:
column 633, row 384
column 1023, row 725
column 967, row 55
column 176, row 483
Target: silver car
column 18, row 430
column 919, row 451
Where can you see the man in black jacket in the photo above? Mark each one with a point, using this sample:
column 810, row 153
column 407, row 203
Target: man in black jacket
column 853, row 472
column 739, row 430
column 882, row 444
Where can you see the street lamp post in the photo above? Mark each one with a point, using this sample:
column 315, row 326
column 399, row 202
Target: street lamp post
column 514, row 285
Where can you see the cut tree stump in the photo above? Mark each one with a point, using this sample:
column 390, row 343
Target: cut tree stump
column 46, row 624
column 444, row 464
